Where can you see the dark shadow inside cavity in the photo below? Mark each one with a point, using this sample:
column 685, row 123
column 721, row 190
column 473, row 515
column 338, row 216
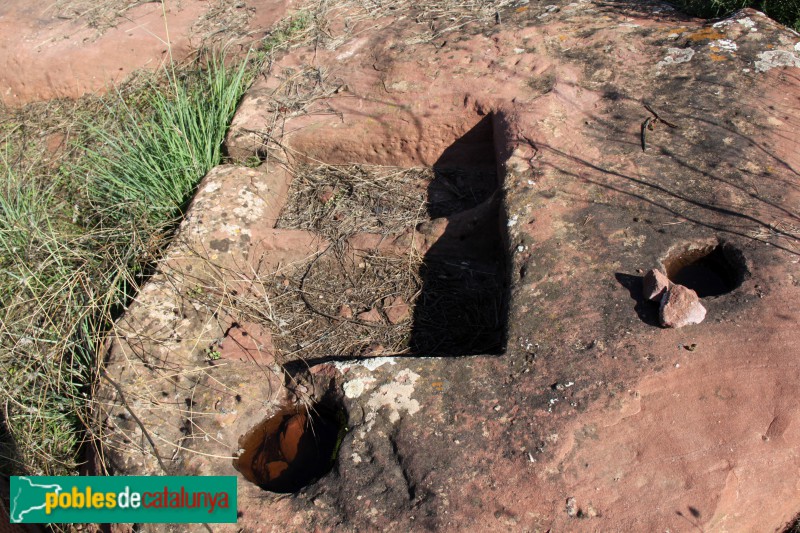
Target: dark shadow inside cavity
column 293, row 448
column 709, row 271
column 461, row 308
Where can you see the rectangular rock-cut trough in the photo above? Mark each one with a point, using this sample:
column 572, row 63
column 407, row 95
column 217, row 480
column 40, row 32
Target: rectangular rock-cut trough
column 409, row 261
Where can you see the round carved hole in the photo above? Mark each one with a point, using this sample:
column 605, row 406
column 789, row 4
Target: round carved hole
column 293, row 448
column 710, row 270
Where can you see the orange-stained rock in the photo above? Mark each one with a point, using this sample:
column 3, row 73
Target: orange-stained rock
column 276, row 468
column 291, row 435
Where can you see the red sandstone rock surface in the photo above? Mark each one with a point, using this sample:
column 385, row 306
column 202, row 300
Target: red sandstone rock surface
column 70, row 48
column 638, row 433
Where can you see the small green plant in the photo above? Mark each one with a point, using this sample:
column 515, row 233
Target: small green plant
column 195, row 292
column 252, row 161
column 213, row 353
column 285, row 33
column 146, row 166
column 75, row 238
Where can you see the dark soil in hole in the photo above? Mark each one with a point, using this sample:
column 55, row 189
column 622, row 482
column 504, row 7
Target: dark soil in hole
column 454, row 190
column 292, row 449
column 709, row 271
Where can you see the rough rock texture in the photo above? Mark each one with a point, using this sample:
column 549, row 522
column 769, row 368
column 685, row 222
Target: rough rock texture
column 637, row 434
column 193, row 364
column 654, row 285
column 69, row 48
column 680, row 307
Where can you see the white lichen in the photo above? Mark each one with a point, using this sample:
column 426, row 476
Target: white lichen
column 251, row 206
column 212, row 187
column 396, row 396
column 676, row 55
column 726, row 45
column 234, row 230
column 776, row 58
column 356, row 387
column 370, row 364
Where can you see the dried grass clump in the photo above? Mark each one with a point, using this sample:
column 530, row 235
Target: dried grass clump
column 308, row 304
column 99, row 16
column 454, row 303
column 337, row 202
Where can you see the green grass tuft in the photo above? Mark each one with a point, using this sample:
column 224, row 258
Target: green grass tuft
column 146, row 169
column 74, row 240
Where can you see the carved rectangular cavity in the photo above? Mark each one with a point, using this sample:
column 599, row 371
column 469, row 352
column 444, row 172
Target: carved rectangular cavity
column 412, row 260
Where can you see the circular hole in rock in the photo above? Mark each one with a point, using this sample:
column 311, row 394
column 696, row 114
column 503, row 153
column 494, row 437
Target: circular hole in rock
column 710, row 270
column 293, row 448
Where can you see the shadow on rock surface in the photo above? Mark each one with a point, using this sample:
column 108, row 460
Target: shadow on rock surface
column 646, row 310
column 462, row 305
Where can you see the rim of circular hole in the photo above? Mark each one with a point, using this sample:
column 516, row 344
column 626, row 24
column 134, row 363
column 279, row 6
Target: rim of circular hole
column 294, row 447
column 710, row 268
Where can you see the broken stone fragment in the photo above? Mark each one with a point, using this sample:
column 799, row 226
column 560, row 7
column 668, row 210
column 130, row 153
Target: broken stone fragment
column 327, row 194
column 655, row 284
column 571, row 507
column 373, row 350
column 680, row 307
column 396, row 309
column 373, row 315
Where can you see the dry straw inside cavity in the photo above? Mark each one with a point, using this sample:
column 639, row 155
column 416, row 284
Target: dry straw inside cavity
column 352, row 303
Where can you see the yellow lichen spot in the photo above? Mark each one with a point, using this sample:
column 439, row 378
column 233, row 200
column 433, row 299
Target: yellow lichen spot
column 706, row 34
column 718, row 57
